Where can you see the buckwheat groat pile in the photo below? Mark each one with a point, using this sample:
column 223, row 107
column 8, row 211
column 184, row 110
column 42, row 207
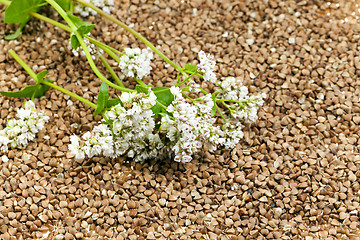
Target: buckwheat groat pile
column 294, row 175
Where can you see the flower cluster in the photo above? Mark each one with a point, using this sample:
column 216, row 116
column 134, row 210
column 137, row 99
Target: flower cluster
column 105, row 5
column 206, row 67
column 190, row 127
column 128, row 129
column 241, row 106
column 18, row 133
column 94, row 51
column 184, row 128
column 100, row 142
column 136, row 62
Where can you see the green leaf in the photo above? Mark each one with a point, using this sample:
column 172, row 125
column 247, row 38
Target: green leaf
column 74, row 42
column 65, row 4
column 17, row 33
column 40, row 76
column 112, row 102
column 189, row 68
column 102, row 98
column 214, row 108
column 42, row 88
column 82, row 27
column 213, row 111
column 37, row 90
column 18, row 11
column 85, row 28
column 164, row 96
column 76, row 20
column 142, row 89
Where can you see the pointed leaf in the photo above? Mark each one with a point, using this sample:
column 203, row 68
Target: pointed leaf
column 41, row 90
column 214, row 108
column 65, row 4
column 28, row 91
column 18, row 10
column 37, row 90
column 189, row 68
column 76, row 20
column 112, row 102
column 17, row 33
column 213, row 111
column 40, row 76
column 102, row 98
column 74, row 42
column 85, row 28
column 82, row 27
column 164, row 97
column 141, row 89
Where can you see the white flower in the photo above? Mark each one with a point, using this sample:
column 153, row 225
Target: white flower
column 189, row 128
column 19, row 132
column 148, row 102
column 126, row 131
column 110, row 115
column 194, row 87
column 75, row 149
column 206, row 67
column 243, row 106
column 126, row 97
column 176, row 92
column 86, row 136
column 136, row 62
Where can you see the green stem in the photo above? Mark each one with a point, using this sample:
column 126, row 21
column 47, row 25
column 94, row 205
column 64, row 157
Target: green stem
column 203, row 91
column 219, row 111
column 23, row 64
column 228, row 107
column 34, row 76
column 113, row 74
column 230, row 100
column 188, row 97
column 63, row 14
column 162, row 90
column 104, row 45
column 71, row 94
column 5, row 2
column 109, row 50
column 136, row 34
column 84, row 47
column 196, row 74
column 49, row 20
column 161, row 105
column 186, row 79
column 139, row 81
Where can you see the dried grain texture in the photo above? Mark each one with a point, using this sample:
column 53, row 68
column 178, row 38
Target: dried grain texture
column 294, row 176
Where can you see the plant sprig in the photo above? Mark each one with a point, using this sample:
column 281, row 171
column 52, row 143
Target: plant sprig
column 144, row 122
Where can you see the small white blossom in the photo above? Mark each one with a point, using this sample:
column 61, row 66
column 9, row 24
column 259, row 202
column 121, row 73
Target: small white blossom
column 127, row 97
column 176, row 91
column 136, row 62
